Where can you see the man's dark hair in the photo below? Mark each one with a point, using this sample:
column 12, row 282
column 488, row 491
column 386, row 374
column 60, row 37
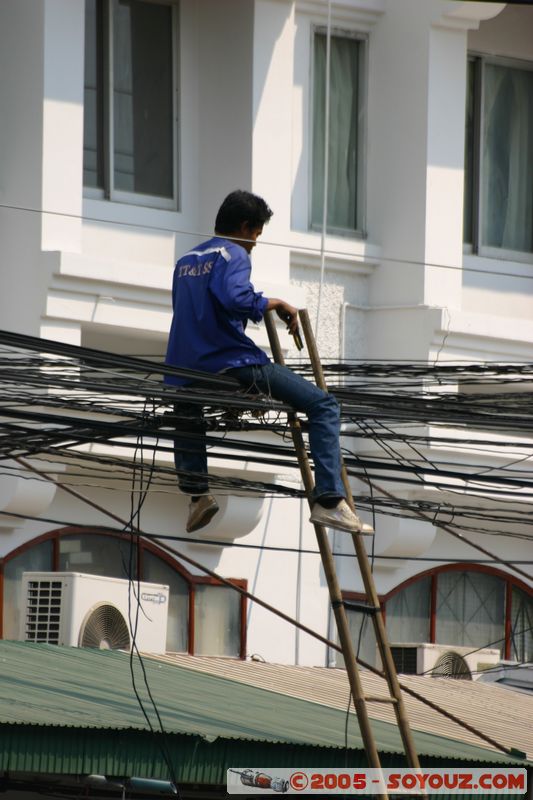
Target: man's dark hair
column 239, row 207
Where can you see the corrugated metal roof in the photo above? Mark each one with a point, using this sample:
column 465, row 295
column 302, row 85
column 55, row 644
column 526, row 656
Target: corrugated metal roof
column 500, row 714
column 45, row 685
column 86, row 751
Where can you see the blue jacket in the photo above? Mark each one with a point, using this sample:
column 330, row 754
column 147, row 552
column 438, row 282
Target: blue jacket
column 213, row 299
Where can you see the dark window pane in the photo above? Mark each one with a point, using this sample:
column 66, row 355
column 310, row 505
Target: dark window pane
column 470, row 610
column 521, row 626
column 507, row 161
column 93, row 124
column 469, row 155
column 217, row 621
column 362, row 636
column 142, row 98
column 343, row 132
column 96, row 554
column 407, row 613
column 155, row 570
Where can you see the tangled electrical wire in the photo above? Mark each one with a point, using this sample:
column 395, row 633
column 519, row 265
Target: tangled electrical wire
column 454, row 439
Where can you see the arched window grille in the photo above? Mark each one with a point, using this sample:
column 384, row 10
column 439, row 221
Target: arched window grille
column 205, row 616
column 461, row 605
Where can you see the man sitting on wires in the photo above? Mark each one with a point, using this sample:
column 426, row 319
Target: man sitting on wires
column 213, row 300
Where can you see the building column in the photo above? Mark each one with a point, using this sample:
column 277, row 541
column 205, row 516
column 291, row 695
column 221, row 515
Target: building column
column 62, row 145
column 418, row 68
column 273, row 55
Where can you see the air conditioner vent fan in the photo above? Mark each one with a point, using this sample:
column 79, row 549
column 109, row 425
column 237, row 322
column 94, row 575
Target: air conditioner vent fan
column 451, row 665
column 105, row 628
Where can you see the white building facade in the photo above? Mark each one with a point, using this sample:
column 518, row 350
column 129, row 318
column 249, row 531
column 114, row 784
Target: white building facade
column 125, row 124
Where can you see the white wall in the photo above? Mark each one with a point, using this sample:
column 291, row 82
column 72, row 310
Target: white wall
column 21, row 91
column 245, row 86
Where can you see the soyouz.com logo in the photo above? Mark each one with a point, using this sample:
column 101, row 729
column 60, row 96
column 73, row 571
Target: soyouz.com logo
column 254, row 780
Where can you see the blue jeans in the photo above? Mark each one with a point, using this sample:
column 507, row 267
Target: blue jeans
column 281, row 383
column 190, row 453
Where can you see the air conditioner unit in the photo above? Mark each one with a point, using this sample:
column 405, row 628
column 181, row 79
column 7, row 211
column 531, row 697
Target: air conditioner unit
column 443, row 660
column 71, row 608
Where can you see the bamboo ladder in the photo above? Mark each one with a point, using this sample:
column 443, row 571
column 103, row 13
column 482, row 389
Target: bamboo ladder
column 372, row 607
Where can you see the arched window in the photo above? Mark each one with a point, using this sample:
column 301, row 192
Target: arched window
column 458, row 605
column 204, row 617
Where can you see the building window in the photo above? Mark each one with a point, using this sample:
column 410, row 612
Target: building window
column 204, row 617
column 408, row 613
column 130, row 101
column 455, row 606
column 344, row 201
column 96, row 554
column 155, row 570
column 521, row 633
column 470, row 610
column 363, row 637
column 217, row 621
column 498, row 192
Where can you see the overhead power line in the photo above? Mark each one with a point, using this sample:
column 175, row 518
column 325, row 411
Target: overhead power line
column 60, row 405
column 85, row 409
column 330, row 252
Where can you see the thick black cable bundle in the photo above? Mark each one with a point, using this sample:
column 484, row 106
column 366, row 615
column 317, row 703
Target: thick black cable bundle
column 60, row 402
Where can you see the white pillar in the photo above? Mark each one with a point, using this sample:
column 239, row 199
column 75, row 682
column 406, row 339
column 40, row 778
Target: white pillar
column 444, row 188
column 417, row 91
column 397, row 147
column 447, row 73
column 273, row 54
column 62, row 145
column 225, row 64
column 21, row 64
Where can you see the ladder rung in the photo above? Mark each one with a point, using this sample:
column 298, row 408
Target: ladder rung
column 380, row 699
column 353, row 605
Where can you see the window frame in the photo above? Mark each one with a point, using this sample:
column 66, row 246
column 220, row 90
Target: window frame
column 108, row 192
column 510, row 582
column 143, row 545
column 476, row 247
column 359, row 232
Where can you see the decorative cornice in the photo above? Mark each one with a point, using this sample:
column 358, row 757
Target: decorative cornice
column 22, row 493
column 363, row 13
column 334, row 263
column 86, row 289
column 151, row 277
column 468, row 15
column 486, row 337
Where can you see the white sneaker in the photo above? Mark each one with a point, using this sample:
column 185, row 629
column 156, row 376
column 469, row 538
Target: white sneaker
column 341, row 517
column 201, row 512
